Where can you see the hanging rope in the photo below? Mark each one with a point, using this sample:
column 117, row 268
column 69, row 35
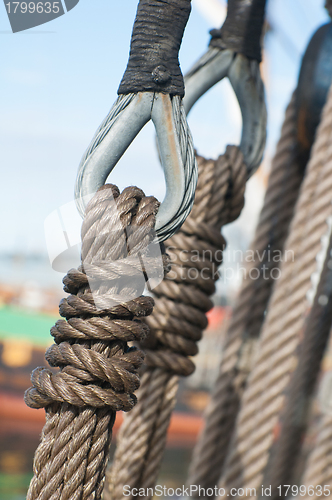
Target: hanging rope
column 248, row 314
column 178, row 320
column 263, row 397
column 98, row 371
column 299, row 395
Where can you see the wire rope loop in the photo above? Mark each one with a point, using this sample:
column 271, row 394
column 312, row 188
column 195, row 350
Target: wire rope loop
column 245, row 78
column 128, row 115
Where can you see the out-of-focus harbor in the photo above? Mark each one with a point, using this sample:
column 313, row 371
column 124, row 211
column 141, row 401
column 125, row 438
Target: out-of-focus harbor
column 28, row 308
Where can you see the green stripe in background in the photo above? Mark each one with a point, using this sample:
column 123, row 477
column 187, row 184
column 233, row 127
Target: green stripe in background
column 14, row 486
column 24, row 325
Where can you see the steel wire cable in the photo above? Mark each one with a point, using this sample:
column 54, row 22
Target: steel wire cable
column 187, row 154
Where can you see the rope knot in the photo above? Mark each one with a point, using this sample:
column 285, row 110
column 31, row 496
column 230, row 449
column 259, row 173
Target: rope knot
column 119, row 256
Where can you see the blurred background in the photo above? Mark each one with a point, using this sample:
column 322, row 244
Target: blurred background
column 58, row 81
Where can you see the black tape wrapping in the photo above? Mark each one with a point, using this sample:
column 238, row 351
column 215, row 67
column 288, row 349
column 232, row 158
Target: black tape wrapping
column 242, row 29
column 154, row 51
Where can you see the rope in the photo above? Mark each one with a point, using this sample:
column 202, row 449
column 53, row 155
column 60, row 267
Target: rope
column 294, row 418
column 187, row 153
column 178, row 320
column 98, row 371
column 263, row 397
column 248, row 314
column 319, row 465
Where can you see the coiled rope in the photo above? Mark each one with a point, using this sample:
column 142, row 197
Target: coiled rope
column 263, row 397
column 98, row 371
column 248, row 314
column 178, row 321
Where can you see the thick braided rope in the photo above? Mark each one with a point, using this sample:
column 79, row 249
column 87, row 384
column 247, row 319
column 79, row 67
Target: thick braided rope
column 248, row 314
column 98, row 371
column 179, row 319
column 263, row 396
column 318, row 470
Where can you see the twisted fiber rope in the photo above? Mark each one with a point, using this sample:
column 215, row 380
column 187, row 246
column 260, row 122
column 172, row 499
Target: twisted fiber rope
column 294, row 417
column 178, row 320
column 248, row 314
column 328, row 6
column 319, row 465
column 98, row 371
column 263, row 396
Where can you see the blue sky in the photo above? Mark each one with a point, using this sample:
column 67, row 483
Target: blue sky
column 59, row 80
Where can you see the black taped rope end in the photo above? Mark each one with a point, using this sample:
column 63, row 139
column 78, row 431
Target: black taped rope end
column 242, row 29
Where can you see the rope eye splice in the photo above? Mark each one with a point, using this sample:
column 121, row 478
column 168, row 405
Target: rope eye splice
column 152, row 88
column 235, row 52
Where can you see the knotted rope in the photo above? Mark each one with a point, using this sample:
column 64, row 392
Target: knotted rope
column 263, row 397
column 98, row 371
column 248, row 314
column 182, row 300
